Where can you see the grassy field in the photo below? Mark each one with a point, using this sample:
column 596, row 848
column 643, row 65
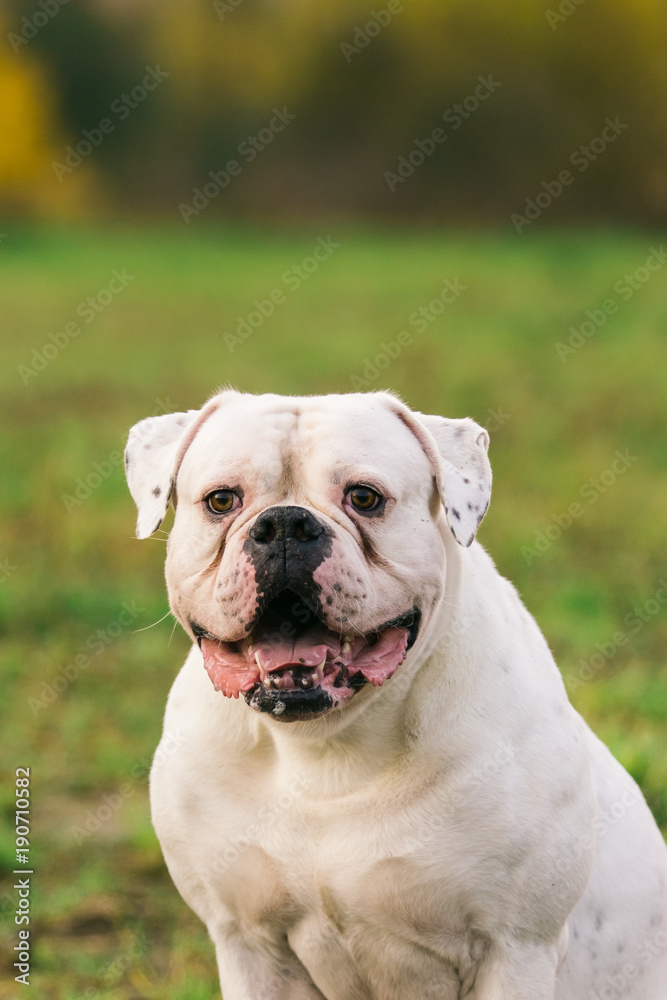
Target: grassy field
column 84, row 690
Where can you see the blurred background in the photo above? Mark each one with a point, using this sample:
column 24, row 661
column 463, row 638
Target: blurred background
column 360, row 83
column 463, row 202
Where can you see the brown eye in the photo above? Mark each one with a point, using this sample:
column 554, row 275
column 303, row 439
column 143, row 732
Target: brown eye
column 363, row 498
column 222, row 501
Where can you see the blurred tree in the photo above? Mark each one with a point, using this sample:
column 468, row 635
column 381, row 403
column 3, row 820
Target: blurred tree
column 24, row 125
column 30, row 126
column 365, row 84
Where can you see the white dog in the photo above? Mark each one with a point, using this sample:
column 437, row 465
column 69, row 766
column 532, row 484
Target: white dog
column 371, row 784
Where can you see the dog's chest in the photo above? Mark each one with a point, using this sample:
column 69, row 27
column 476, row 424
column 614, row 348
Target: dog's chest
column 354, row 894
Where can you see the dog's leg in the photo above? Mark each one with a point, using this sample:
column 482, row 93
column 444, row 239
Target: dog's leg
column 520, row 972
column 248, row 973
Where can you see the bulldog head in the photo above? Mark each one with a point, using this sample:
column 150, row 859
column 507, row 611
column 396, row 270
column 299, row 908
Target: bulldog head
column 305, row 554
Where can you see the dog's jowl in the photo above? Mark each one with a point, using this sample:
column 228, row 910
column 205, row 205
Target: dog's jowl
column 380, row 790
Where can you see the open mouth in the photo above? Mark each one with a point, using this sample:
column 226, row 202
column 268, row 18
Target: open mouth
column 293, row 666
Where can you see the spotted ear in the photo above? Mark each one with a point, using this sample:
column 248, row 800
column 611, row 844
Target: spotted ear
column 465, row 472
column 150, row 465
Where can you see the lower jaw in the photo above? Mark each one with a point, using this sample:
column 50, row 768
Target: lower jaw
column 299, row 706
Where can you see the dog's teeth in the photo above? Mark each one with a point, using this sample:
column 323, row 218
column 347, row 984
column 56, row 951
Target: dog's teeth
column 305, row 683
column 314, row 677
column 348, row 638
column 345, row 648
column 267, row 681
column 258, row 661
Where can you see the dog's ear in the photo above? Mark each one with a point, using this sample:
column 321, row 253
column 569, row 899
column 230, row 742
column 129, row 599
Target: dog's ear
column 150, row 465
column 465, row 472
column 153, row 456
column 457, row 451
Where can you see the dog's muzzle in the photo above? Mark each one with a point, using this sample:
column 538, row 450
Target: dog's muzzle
column 292, row 664
column 295, row 667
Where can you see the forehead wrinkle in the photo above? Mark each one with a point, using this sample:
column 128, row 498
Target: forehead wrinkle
column 255, row 450
column 283, row 485
column 285, row 481
column 298, row 454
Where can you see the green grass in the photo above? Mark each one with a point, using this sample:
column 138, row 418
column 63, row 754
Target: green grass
column 160, row 344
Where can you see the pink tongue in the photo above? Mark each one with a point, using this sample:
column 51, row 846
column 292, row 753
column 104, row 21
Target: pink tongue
column 235, row 672
column 308, row 651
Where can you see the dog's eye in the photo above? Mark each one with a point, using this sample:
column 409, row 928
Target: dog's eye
column 363, row 498
column 222, row 501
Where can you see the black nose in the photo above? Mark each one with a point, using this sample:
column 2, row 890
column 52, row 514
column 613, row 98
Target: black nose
column 283, row 524
column 286, row 545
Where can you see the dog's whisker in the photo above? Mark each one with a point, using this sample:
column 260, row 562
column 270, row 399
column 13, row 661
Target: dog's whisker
column 144, row 629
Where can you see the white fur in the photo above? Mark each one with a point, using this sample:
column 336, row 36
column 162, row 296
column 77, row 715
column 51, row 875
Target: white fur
column 458, row 832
